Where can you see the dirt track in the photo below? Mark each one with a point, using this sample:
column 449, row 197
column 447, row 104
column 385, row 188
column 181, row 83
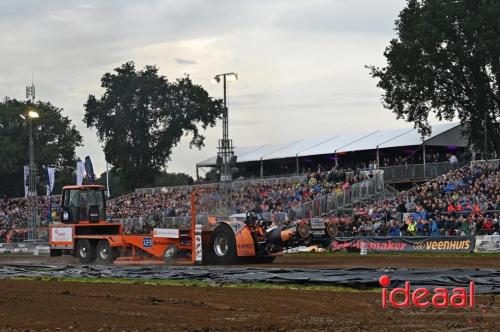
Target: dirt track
column 339, row 260
column 51, row 305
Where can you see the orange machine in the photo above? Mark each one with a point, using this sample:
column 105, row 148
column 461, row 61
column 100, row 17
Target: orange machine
column 84, row 233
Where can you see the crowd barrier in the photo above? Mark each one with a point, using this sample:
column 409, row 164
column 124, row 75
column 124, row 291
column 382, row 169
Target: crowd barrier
column 36, row 248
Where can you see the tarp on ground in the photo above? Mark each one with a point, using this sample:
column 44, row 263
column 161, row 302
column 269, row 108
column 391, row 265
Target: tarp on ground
column 486, row 280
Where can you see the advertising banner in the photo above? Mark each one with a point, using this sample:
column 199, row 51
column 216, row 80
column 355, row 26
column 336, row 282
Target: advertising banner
column 487, row 243
column 406, row 243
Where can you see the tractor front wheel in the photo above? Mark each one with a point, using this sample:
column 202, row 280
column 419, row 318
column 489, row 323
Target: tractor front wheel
column 223, row 245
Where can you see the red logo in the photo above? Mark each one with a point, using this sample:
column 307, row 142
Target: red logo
column 423, row 297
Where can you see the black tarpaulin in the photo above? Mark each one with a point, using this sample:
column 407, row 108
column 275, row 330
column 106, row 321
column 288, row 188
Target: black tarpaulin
column 486, row 280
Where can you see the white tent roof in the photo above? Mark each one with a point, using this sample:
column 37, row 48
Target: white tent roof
column 448, row 134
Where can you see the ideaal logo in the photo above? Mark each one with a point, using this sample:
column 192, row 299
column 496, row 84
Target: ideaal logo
column 423, row 297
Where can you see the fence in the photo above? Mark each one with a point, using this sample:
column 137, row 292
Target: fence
column 492, row 163
column 418, row 172
column 358, row 192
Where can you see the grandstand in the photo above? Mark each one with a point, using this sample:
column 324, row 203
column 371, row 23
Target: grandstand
column 382, row 148
column 463, row 201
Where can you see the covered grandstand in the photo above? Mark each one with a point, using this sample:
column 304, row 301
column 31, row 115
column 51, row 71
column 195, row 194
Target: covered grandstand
column 348, row 150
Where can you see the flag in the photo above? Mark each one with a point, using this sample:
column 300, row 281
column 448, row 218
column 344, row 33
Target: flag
column 80, row 172
column 26, row 180
column 49, row 173
column 89, row 169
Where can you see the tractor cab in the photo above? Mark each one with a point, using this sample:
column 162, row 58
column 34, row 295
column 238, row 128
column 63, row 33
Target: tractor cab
column 83, row 204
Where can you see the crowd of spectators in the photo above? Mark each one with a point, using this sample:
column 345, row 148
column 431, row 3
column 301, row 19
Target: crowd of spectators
column 249, row 195
column 263, row 196
column 14, row 216
column 464, row 202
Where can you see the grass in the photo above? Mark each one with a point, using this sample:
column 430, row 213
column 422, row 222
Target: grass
column 194, row 283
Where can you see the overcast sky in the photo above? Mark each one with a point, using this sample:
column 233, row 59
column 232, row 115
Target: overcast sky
column 301, row 62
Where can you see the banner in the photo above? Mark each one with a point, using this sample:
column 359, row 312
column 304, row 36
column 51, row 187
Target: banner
column 49, row 179
column 89, row 169
column 80, row 172
column 407, row 243
column 26, row 180
column 487, row 243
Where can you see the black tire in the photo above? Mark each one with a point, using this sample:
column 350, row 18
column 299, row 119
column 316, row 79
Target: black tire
column 105, row 254
column 85, row 251
column 171, row 254
column 223, row 245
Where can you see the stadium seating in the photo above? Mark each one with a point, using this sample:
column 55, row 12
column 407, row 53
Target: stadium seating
column 465, row 201
column 154, row 205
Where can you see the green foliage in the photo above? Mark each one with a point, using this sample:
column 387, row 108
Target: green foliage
column 446, row 60
column 141, row 116
column 212, row 175
column 55, row 139
column 118, row 187
column 165, row 179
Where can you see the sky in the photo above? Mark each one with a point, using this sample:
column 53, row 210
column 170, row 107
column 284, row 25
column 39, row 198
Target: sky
column 301, row 63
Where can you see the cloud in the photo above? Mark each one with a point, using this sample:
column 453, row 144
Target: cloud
column 182, row 61
column 301, row 63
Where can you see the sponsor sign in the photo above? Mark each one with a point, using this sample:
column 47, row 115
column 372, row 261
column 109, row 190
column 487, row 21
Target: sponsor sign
column 406, row 243
column 487, row 243
column 147, row 242
column 170, row 233
column 62, row 234
column 198, row 244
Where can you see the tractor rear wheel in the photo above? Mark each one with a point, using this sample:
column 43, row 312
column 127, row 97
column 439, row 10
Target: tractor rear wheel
column 105, row 254
column 223, row 245
column 85, row 251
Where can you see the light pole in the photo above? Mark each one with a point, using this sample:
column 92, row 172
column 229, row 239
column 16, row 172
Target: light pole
column 225, row 147
column 33, row 213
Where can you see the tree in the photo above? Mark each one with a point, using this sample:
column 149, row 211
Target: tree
column 55, row 139
column 164, row 179
column 141, row 116
column 446, row 61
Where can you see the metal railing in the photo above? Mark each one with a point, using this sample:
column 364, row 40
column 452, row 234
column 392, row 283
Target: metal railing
column 419, row 172
column 358, row 192
column 491, row 164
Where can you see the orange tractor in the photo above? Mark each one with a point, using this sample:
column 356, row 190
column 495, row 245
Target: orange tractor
column 85, row 233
